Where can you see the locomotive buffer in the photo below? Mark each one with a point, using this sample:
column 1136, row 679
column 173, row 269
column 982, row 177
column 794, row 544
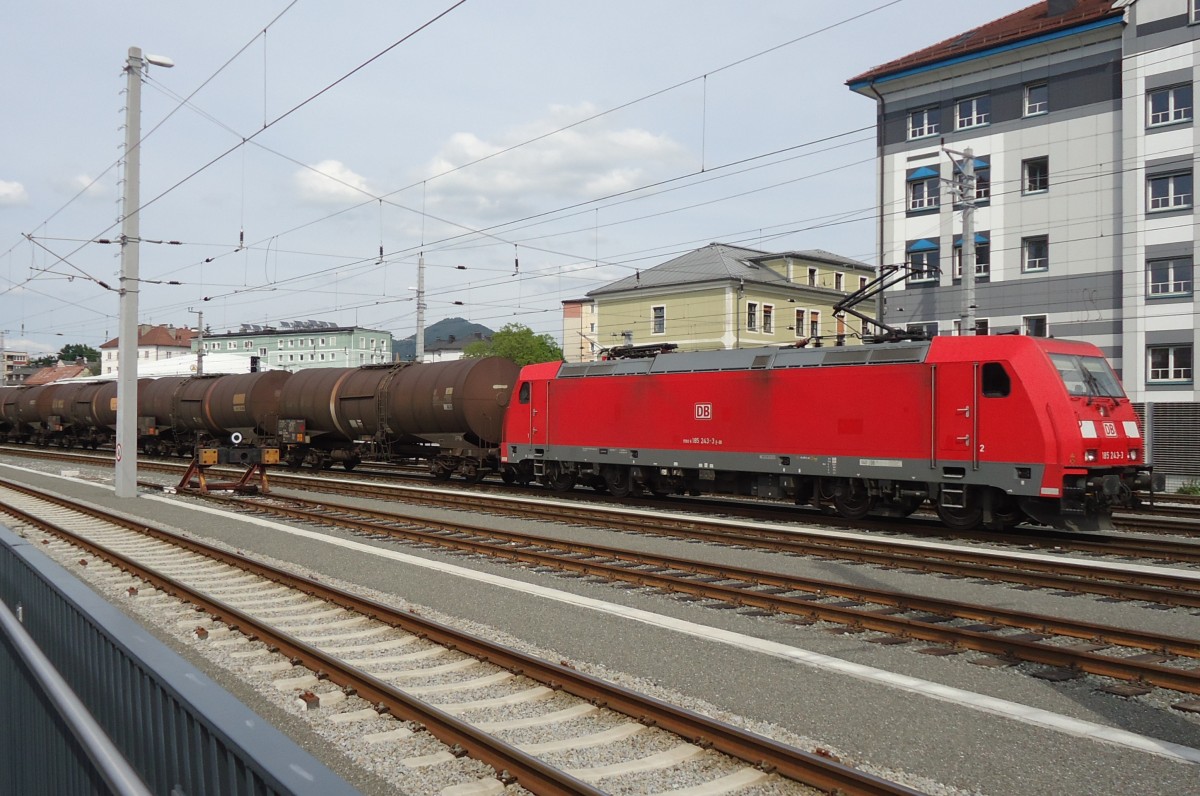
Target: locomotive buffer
column 253, row 481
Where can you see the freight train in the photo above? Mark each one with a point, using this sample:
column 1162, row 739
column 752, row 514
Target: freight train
column 989, row 431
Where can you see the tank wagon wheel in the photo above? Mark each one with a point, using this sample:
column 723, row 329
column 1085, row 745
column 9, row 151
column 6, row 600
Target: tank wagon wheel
column 963, row 518
column 350, row 464
column 852, row 499
column 441, row 472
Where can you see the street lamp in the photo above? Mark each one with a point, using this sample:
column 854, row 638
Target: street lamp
column 127, row 342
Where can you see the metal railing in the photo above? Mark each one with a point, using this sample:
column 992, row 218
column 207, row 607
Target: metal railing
column 95, row 704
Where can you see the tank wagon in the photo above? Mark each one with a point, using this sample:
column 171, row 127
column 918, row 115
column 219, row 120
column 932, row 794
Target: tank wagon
column 176, row 413
column 989, row 430
column 449, row 412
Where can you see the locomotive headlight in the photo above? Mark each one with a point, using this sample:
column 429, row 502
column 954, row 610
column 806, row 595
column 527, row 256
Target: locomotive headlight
column 1134, row 453
column 1090, row 455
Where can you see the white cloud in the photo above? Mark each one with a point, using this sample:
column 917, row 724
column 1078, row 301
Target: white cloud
column 332, row 182
column 91, row 190
column 577, row 164
column 12, row 193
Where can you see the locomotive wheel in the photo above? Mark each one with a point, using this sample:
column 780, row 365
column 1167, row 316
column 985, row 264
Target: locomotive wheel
column 1006, row 514
column 560, row 481
column 966, row 518
column 617, row 481
column 508, row 475
column 851, row 498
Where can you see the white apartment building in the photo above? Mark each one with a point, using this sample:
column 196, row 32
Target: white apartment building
column 1080, row 118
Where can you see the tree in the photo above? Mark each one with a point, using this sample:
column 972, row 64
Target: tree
column 74, row 351
column 68, row 354
column 518, row 343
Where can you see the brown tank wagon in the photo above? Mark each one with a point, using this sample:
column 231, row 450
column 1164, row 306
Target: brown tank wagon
column 449, row 411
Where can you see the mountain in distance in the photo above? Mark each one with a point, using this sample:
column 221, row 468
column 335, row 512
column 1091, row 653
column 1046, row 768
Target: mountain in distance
column 459, row 328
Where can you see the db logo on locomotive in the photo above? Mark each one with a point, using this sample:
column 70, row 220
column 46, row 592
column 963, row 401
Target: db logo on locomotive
column 704, row 411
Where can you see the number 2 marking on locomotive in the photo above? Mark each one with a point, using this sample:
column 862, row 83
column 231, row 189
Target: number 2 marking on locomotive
column 981, row 447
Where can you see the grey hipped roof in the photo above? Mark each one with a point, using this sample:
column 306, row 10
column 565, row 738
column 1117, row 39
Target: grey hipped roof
column 719, row 262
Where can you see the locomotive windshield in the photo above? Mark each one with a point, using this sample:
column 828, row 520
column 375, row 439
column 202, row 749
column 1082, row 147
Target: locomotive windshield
column 1089, row 376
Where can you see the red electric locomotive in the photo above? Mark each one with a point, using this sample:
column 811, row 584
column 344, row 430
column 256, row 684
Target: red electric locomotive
column 989, row 430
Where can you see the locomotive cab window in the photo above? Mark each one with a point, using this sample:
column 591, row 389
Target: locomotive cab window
column 996, row 383
column 523, row 395
column 1087, row 376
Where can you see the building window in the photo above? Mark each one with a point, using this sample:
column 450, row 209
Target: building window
column 862, row 283
column 247, row 344
column 922, row 262
column 1169, row 191
column 322, row 341
column 1033, row 325
column 983, row 256
column 1170, row 363
column 923, row 194
column 751, row 316
column 799, row 327
column 1035, row 175
column 981, row 327
column 973, row 112
column 230, row 346
column 983, row 182
column 814, row 324
column 1035, row 254
column 1169, row 277
column 812, row 277
column 928, row 330
column 768, row 319
column 1169, row 105
column 658, row 320
column 924, row 122
column 1037, row 99
column 1193, row 11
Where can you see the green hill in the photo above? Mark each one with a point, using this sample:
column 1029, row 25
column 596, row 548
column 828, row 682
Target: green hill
column 459, row 328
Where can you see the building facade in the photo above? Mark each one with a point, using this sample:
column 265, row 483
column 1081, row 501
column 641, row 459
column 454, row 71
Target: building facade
column 155, row 343
column 12, row 362
column 722, row 297
column 299, row 345
column 1078, row 115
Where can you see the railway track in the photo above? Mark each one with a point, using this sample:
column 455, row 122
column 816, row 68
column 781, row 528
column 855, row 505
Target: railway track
column 1115, row 579
column 1175, row 515
column 1119, row 653
column 368, row 664
column 1172, row 515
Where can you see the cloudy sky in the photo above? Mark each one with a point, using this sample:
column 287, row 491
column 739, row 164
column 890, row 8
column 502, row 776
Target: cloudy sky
column 533, row 150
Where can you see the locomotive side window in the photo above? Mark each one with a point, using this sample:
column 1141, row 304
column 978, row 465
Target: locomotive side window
column 523, row 395
column 996, row 383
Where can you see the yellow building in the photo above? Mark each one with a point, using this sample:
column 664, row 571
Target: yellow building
column 720, row 297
